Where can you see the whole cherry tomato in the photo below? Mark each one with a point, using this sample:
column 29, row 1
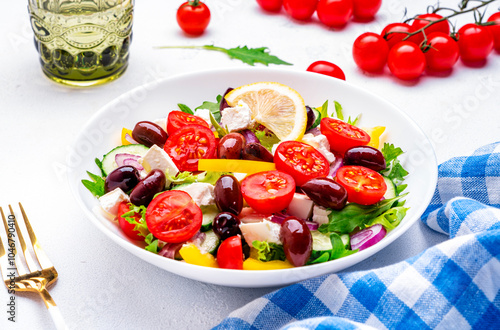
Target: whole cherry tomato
column 422, row 20
column 370, row 52
column 365, row 10
column 230, row 253
column 495, row 29
column 394, row 37
column 334, row 13
column 193, row 17
column 406, row 61
column 327, row 68
column 443, row 52
column 270, row 5
column 475, row 42
column 300, row 9
column 364, row 186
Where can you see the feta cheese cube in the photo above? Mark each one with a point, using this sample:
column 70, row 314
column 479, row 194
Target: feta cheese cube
column 157, row 159
column 205, row 115
column 162, row 122
column 301, row 206
column 202, row 193
column 320, row 143
column 320, row 214
column 261, row 231
column 110, row 201
column 237, row 118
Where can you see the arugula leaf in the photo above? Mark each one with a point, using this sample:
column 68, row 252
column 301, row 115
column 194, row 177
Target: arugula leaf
column 354, row 216
column 96, row 186
column 338, row 110
column 152, row 243
column 267, row 139
column 390, row 219
column 394, row 170
column 269, row 251
column 141, row 225
column 214, row 107
column 98, row 162
column 221, row 131
column 355, row 121
column 185, row 108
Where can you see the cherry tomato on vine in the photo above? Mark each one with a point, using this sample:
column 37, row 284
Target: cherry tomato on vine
column 327, row 68
column 422, row 20
column 127, row 227
column 270, row 5
column 334, row 13
column 173, row 216
column 370, row 52
column 193, row 17
column 364, row 186
column 443, row 52
column 179, row 119
column 230, row 253
column 495, row 29
column 342, row 136
column 268, row 192
column 366, row 9
column 406, row 61
column 301, row 161
column 300, row 9
column 394, row 38
column 475, row 42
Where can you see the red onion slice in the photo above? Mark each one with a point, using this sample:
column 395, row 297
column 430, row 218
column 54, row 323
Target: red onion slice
column 334, row 167
column 280, row 217
column 170, row 250
column 134, row 163
column 368, row 237
column 314, row 131
column 250, row 136
column 130, row 139
column 128, row 159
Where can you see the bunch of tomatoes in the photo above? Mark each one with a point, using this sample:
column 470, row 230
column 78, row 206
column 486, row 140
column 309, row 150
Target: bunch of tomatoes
column 332, row 13
column 426, row 44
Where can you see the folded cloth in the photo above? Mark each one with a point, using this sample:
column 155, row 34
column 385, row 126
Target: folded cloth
column 453, row 285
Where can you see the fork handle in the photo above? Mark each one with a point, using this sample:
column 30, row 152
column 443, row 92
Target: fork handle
column 54, row 311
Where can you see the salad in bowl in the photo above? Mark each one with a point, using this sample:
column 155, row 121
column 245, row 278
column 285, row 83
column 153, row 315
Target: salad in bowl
column 258, row 180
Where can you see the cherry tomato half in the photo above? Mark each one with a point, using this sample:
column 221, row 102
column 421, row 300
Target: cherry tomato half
column 268, row 192
column 173, row 216
column 193, row 17
column 301, row 161
column 406, row 61
column 370, row 52
column 230, row 253
column 422, row 20
column 127, row 227
column 475, row 42
column 189, row 144
column 327, row 68
column 443, row 52
column 495, row 29
column 365, row 10
column 334, row 13
column 394, row 37
column 300, row 9
column 271, row 5
column 343, row 136
column 178, row 119
column 364, row 186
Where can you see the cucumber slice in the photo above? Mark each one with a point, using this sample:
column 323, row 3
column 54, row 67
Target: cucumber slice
column 210, row 243
column 317, row 120
column 346, row 239
column 391, row 189
column 108, row 162
column 209, row 214
column 321, row 242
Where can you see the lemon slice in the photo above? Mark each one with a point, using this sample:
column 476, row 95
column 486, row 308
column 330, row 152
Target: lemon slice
column 276, row 106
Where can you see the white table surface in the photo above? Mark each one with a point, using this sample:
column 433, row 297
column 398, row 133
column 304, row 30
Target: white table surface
column 100, row 285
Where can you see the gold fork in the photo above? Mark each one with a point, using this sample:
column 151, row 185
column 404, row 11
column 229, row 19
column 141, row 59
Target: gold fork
column 33, row 280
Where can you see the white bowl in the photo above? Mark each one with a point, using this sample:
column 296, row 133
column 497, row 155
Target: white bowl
column 150, row 102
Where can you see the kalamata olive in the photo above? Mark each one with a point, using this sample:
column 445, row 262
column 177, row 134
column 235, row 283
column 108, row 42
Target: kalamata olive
column 148, row 133
column 124, row 177
column 145, row 190
column 223, row 103
column 226, row 225
column 310, row 117
column 256, row 151
column 228, row 197
column 297, row 241
column 365, row 156
column 231, row 146
column 326, row 192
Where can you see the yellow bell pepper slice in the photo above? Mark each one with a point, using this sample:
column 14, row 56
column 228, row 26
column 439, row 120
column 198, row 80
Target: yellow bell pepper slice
column 192, row 255
column 375, row 133
column 235, row 165
column 254, row 264
column 126, row 131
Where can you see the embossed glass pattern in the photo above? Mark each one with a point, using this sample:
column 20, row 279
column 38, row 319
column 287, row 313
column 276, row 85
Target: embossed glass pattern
column 82, row 42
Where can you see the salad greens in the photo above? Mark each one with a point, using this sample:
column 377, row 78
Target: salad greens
column 339, row 250
column 96, row 186
column 394, row 170
column 140, row 226
column 269, row 251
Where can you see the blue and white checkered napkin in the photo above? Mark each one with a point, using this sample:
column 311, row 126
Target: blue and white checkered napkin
column 454, row 285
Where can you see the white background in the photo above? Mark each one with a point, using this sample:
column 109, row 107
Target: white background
column 101, row 286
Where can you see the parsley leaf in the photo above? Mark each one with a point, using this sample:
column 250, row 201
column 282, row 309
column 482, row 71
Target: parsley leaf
column 185, row 108
column 269, row 251
column 394, row 170
column 96, row 186
column 214, row 107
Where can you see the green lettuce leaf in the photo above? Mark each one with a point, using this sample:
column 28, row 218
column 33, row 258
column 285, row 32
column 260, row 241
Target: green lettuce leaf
column 141, row 225
column 152, row 243
column 269, row 251
column 188, row 177
column 214, row 107
column 267, row 139
column 394, row 170
column 390, row 219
